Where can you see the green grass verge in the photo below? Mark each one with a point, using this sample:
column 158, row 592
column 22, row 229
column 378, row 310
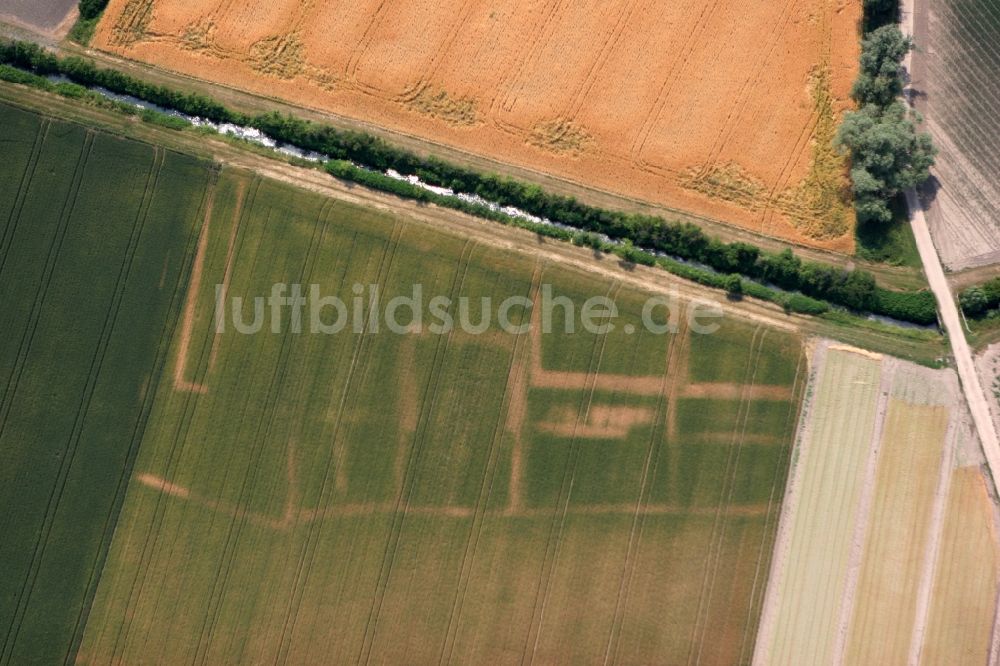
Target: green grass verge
column 891, row 243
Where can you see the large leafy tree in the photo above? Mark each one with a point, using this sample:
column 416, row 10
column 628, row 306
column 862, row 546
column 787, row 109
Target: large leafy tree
column 888, row 156
column 880, row 80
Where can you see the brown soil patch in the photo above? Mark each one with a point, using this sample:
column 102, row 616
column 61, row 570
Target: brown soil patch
column 707, row 108
column 190, row 306
column 724, row 391
column 164, row 486
column 603, row 422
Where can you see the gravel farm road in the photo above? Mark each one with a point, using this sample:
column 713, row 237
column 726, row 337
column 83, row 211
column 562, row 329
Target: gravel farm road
column 971, row 386
column 975, row 396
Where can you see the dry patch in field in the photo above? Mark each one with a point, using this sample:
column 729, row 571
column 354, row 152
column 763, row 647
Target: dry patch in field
column 872, row 556
column 722, row 110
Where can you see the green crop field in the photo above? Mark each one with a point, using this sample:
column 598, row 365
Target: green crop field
column 87, row 290
column 385, row 497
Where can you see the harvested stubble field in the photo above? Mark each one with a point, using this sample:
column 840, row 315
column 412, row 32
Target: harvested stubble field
column 954, row 84
column 727, row 110
column 887, row 552
column 380, row 497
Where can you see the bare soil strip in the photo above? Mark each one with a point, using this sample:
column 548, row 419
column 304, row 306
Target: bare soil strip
column 191, row 304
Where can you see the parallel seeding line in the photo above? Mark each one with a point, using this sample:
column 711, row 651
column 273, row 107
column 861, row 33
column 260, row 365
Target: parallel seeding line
column 412, row 468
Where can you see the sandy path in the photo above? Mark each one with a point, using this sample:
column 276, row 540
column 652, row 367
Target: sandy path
column 971, row 386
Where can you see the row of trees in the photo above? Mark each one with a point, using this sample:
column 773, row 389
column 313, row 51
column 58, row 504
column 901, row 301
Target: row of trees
column 888, row 155
column 646, row 234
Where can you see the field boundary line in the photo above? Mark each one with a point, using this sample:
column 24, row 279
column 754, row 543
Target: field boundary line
column 157, row 373
column 766, row 553
column 863, row 514
column 801, row 449
column 729, row 485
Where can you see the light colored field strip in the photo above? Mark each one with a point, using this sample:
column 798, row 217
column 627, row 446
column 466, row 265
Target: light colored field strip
column 933, row 547
column 861, row 527
column 187, row 323
column 883, row 620
column 810, row 565
column 294, row 515
column 964, row 599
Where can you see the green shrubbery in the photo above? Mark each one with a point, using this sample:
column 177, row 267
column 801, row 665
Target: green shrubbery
column 90, row 9
column 639, row 237
column 981, row 301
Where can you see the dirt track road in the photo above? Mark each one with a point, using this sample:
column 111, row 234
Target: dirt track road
column 971, row 386
column 975, row 396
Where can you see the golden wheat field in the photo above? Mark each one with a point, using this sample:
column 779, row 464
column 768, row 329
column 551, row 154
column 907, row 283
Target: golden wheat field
column 721, row 109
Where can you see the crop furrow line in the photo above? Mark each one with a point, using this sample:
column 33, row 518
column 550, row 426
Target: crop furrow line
column 656, row 442
column 516, row 372
column 411, row 471
column 90, row 387
column 10, row 227
column 561, row 507
column 717, row 541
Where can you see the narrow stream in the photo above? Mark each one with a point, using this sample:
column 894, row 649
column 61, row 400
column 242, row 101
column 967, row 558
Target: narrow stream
column 255, row 136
